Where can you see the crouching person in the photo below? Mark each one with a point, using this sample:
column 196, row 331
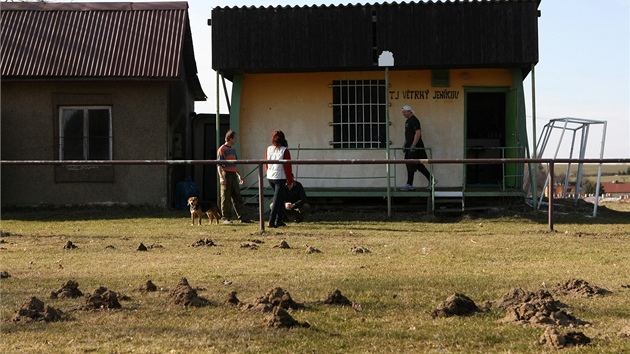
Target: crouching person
column 296, row 203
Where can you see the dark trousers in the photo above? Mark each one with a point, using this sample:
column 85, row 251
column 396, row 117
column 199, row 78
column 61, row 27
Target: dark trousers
column 279, row 188
column 412, row 167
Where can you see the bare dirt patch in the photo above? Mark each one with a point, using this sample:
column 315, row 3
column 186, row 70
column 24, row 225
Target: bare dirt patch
column 282, row 319
column 69, row 246
column 101, row 299
column 556, row 340
column 579, row 287
column 184, row 294
column 147, row 287
column 204, row 242
column 249, row 245
column 336, row 298
column 359, row 249
column 538, row 309
column 276, row 297
column 455, row 305
column 275, row 301
column 34, row 310
column 68, row 290
column 311, row 249
column 283, row 244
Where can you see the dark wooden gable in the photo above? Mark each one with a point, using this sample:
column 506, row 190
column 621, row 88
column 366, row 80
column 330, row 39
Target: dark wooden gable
column 424, row 35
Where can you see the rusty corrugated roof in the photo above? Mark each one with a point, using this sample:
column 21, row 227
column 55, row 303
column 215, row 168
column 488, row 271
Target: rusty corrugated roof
column 97, row 40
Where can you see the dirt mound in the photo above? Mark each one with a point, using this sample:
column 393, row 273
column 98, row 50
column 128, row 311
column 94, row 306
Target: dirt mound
column 255, row 240
column 184, row 294
column 69, row 245
column 204, row 242
column 554, row 339
column 33, row 309
column 359, row 249
column 70, row 290
column 283, row 244
column 102, row 299
column 276, row 297
column 517, row 296
column 232, row 300
column 251, row 246
column 147, row 287
column 311, row 249
column 579, row 287
column 455, row 305
column 538, row 308
column 336, row 298
column 282, row 319
column 625, row 332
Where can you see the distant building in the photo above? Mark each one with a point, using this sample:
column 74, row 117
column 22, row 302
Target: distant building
column 616, row 189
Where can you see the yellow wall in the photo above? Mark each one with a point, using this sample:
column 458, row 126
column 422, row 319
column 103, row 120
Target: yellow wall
column 298, row 104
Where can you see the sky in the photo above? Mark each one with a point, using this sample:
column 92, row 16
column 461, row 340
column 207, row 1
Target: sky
column 583, row 69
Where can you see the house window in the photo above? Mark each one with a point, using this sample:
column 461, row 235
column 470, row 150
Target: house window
column 440, row 78
column 85, row 133
column 359, row 110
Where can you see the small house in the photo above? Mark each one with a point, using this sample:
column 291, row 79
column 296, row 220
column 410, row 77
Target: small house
column 96, row 81
column 314, row 73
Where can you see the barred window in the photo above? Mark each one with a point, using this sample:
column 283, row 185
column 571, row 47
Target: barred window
column 359, row 114
column 85, row 133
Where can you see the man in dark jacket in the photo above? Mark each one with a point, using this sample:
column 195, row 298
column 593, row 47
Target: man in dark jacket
column 296, row 203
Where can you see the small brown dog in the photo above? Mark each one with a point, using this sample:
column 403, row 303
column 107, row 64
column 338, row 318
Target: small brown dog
column 197, row 210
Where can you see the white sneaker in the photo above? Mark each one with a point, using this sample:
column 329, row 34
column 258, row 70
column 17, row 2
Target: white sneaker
column 227, row 221
column 407, row 187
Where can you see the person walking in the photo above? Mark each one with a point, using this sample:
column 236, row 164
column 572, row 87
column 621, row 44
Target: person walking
column 279, row 176
column 230, row 181
column 414, row 149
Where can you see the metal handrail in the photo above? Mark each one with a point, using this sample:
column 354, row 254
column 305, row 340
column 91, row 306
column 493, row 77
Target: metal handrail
column 551, row 163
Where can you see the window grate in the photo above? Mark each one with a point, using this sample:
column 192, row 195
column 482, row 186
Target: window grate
column 440, row 78
column 359, row 114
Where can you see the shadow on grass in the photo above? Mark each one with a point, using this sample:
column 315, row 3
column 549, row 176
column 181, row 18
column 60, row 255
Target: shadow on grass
column 73, row 213
column 564, row 211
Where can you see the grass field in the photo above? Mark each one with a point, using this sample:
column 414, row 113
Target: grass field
column 610, row 172
column 416, row 261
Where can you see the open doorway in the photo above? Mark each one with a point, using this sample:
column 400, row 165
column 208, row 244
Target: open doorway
column 205, row 148
column 485, row 136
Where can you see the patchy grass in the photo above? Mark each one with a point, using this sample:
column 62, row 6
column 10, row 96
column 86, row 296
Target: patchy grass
column 415, row 262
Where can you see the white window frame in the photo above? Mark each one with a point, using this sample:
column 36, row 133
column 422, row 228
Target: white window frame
column 86, row 129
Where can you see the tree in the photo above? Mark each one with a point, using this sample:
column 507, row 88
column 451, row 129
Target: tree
column 589, row 187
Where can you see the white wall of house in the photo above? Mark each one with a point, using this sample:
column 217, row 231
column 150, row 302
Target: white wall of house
column 298, row 104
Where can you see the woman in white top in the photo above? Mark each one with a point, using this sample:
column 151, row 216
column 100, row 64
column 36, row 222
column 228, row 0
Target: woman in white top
column 278, row 175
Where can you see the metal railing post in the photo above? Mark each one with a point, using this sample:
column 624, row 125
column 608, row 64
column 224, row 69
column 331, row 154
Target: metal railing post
column 261, row 198
column 551, row 191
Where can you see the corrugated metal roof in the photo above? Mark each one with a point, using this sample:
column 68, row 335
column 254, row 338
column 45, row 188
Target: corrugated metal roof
column 97, row 40
column 421, row 35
